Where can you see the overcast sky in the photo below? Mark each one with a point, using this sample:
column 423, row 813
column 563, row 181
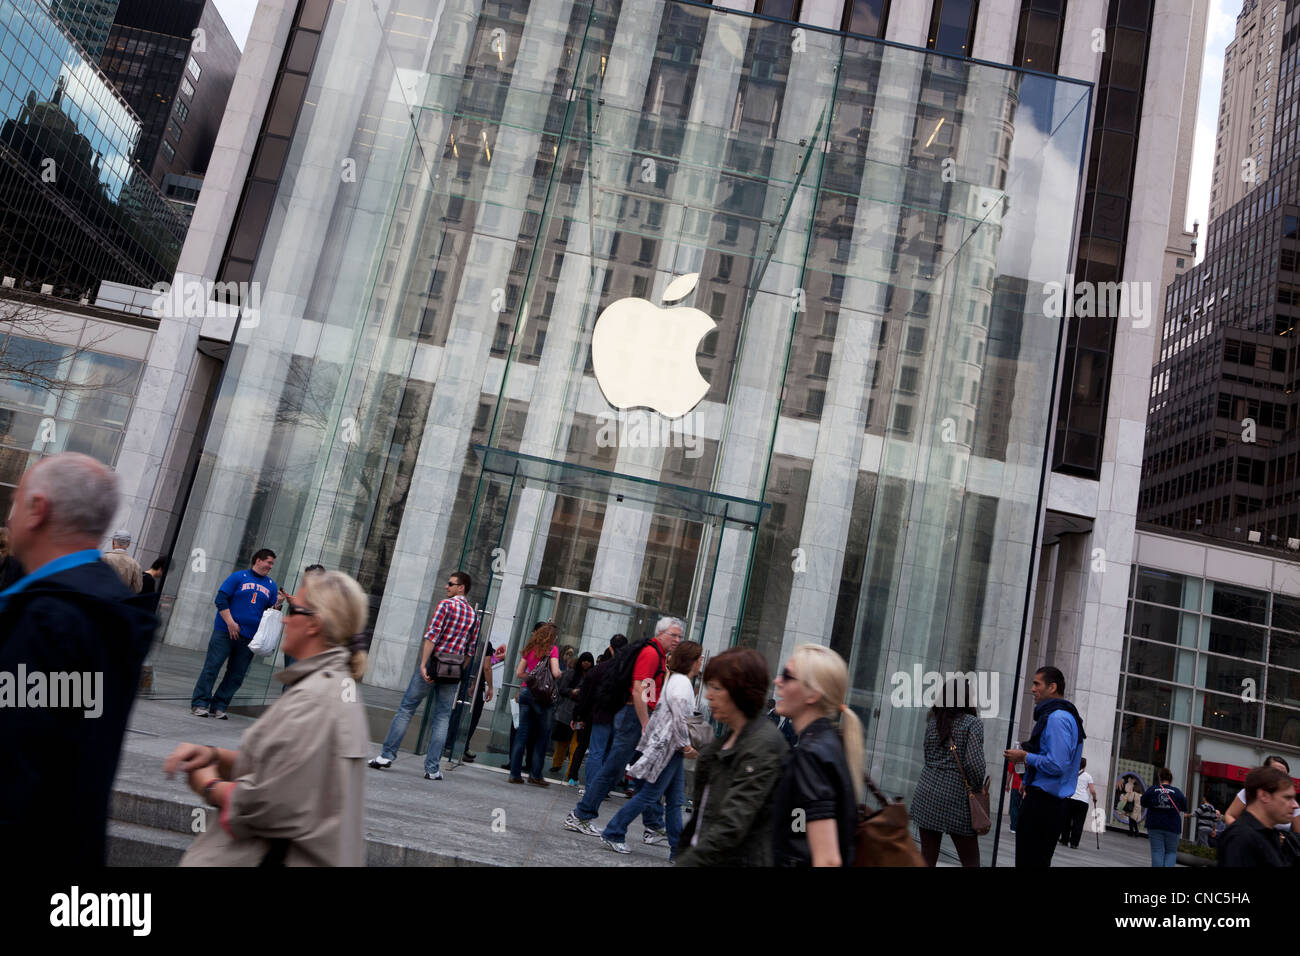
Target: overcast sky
column 238, row 15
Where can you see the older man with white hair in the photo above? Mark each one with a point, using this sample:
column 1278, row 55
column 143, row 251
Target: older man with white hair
column 635, row 682
column 72, row 642
column 120, row 560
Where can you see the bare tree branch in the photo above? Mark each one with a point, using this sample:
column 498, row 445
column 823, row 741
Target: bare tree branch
column 32, row 353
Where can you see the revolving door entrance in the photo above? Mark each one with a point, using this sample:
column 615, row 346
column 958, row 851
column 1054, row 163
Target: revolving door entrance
column 598, row 554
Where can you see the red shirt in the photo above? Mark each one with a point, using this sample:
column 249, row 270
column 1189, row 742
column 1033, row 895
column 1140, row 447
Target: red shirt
column 454, row 628
column 648, row 667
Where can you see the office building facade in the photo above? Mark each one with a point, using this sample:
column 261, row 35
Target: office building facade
column 174, row 61
column 437, row 213
column 75, row 209
column 1222, row 443
column 1248, row 100
column 87, row 20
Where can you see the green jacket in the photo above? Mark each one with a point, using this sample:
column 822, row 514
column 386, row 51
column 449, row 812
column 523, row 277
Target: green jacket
column 735, row 826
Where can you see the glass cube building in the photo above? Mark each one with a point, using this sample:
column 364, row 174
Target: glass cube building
column 445, row 209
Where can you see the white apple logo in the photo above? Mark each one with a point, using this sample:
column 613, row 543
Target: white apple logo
column 644, row 356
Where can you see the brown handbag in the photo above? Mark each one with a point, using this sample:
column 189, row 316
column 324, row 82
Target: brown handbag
column 882, row 837
column 981, row 820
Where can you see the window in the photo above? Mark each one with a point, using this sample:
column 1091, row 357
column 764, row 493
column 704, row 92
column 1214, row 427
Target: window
column 822, row 365
column 1038, row 41
column 193, row 68
column 816, row 401
column 952, row 27
column 915, row 339
column 907, row 380
column 866, row 17
column 902, row 419
column 182, row 111
column 830, row 322
column 187, row 87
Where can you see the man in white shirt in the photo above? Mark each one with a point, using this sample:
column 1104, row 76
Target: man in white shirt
column 1085, row 794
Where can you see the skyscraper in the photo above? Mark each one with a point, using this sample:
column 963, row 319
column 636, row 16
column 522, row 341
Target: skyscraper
column 174, row 61
column 1248, row 102
column 87, row 20
column 1222, row 439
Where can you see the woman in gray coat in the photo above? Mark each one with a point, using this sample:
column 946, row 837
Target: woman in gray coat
column 954, row 744
column 293, row 793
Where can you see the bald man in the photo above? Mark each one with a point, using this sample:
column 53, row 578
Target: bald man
column 72, row 641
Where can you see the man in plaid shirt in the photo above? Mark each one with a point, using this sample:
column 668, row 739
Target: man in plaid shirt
column 453, row 630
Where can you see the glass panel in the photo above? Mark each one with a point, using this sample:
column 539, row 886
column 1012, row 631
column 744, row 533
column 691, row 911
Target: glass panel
column 1229, row 637
column 1229, row 676
column 1286, row 613
column 1166, row 587
column 1232, row 714
column 1282, row 725
column 522, row 184
column 1242, row 604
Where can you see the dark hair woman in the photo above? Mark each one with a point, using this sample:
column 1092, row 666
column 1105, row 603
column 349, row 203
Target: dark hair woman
column 562, row 732
column 954, row 755
column 736, row 773
column 534, row 714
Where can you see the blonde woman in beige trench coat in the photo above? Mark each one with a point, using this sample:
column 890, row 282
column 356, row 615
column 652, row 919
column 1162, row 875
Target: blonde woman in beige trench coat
column 293, row 793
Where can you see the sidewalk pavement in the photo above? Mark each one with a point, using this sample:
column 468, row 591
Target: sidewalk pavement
column 471, row 818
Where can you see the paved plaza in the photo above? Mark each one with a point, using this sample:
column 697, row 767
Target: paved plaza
column 471, row 818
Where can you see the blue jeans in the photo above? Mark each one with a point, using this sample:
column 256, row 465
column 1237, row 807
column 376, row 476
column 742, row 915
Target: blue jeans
column 444, row 700
column 532, row 714
column 622, row 750
column 597, row 750
column 671, row 784
column 1164, row 847
column 234, row 653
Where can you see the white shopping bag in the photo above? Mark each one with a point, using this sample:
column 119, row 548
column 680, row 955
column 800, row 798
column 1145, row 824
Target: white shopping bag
column 269, row 629
column 514, row 713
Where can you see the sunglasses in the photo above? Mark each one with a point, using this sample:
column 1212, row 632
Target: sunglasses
column 291, row 609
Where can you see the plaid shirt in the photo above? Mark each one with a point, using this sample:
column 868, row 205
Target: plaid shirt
column 454, row 628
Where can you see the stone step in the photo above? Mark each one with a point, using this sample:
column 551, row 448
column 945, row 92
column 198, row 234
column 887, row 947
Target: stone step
column 130, row 844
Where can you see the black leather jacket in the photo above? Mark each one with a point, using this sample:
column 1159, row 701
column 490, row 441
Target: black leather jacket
column 815, row 785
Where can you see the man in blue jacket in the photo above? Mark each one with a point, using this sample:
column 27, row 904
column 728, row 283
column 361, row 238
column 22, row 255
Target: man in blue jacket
column 1052, row 757
column 72, row 641
column 240, row 601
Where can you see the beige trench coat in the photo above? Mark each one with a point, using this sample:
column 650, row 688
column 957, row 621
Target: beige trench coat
column 300, row 775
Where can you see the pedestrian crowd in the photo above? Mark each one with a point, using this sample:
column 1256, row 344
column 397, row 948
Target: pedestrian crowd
column 779, row 776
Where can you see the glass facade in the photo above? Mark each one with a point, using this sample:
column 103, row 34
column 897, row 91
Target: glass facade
column 74, row 209
column 1211, row 677
column 87, row 20
column 465, row 198
column 57, row 397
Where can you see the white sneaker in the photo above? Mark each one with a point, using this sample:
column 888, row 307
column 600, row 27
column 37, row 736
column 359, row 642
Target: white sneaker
column 616, row 847
column 571, row 822
column 381, row 763
column 200, row 712
column 436, row 775
column 655, row 838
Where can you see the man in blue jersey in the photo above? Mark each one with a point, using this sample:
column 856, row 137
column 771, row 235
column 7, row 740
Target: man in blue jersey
column 240, row 601
column 1052, row 758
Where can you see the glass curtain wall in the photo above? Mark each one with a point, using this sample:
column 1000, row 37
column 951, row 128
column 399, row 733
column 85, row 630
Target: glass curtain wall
column 870, row 229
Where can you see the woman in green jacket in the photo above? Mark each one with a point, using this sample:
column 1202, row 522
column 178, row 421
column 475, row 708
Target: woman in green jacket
column 731, row 825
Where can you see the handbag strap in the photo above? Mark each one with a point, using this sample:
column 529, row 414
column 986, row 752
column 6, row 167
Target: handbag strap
column 953, row 747
column 875, row 791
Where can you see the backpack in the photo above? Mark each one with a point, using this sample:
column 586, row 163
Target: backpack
column 541, row 682
column 616, row 686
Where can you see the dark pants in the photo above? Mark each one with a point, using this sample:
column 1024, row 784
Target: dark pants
column 1075, row 814
column 1016, row 799
column 1042, row 817
column 968, row 847
column 474, row 715
column 575, row 762
column 235, row 655
column 533, row 715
